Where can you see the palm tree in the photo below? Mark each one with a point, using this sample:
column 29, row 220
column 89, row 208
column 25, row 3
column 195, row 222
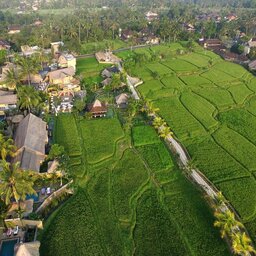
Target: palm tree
column 28, row 98
column 15, row 182
column 29, row 66
column 226, row 222
column 149, row 108
column 7, row 147
column 165, row 132
column 158, row 122
column 220, row 199
column 12, row 78
column 241, row 244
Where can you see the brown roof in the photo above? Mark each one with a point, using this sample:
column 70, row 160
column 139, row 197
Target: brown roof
column 4, row 43
column 30, row 139
column 8, row 98
column 14, row 27
column 61, row 73
column 28, row 249
column 97, row 107
column 122, row 98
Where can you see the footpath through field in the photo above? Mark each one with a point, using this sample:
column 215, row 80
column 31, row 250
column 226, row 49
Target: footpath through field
column 194, row 173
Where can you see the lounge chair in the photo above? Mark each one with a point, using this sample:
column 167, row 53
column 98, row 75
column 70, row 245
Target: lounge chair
column 16, row 230
column 48, row 191
column 9, row 232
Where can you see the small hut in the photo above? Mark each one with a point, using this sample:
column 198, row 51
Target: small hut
column 98, row 109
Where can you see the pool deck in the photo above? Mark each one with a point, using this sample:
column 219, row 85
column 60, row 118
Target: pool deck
column 20, row 236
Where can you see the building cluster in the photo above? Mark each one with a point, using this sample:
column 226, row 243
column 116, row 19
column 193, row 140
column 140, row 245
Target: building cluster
column 145, row 36
column 219, row 48
column 56, row 77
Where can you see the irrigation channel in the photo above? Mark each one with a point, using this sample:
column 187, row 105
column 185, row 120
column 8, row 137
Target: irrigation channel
column 194, row 174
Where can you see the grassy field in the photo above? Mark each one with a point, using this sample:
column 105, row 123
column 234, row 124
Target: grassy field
column 210, row 105
column 92, row 47
column 131, row 199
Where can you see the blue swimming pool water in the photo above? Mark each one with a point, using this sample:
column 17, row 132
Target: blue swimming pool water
column 7, row 248
column 35, row 197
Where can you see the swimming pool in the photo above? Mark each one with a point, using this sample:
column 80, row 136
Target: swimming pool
column 35, row 197
column 7, row 247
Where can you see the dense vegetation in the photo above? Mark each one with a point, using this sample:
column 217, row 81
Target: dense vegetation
column 210, row 105
column 129, row 195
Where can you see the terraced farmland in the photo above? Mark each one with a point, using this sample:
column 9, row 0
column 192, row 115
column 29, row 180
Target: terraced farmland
column 131, row 198
column 210, row 105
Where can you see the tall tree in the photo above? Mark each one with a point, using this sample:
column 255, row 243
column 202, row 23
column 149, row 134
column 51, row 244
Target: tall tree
column 7, row 147
column 28, row 98
column 12, row 78
column 242, row 244
column 226, row 222
column 165, row 132
column 29, row 66
column 15, row 182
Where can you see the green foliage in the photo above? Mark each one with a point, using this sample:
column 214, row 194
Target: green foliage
column 218, row 97
column 156, row 225
column 241, row 192
column 240, row 121
column 100, row 137
column 179, row 65
column 56, row 151
column 66, row 134
column 157, row 156
column 68, row 234
column 200, row 108
column 3, row 55
column 216, row 163
column 128, row 176
column 195, row 214
column 240, row 93
column 144, row 135
column 229, row 140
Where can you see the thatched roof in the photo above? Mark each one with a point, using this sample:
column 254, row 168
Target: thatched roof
column 108, row 57
column 26, row 206
column 98, row 107
column 30, row 139
column 17, row 119
column 28, row 249
column 61, row 73
column 8, row 98
column 122, row 98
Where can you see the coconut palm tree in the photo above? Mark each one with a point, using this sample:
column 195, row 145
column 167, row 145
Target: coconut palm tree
column 29, row 66
column 226, row 222
column 15, row 182
column 158, row 122
column 220, row 199
column 7, row 147
column 28, row 98
column 12, row 78
column 149, row 108
column 165, row 132
column 242, row 244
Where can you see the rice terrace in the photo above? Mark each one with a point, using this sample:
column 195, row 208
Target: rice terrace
column 132, row 197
